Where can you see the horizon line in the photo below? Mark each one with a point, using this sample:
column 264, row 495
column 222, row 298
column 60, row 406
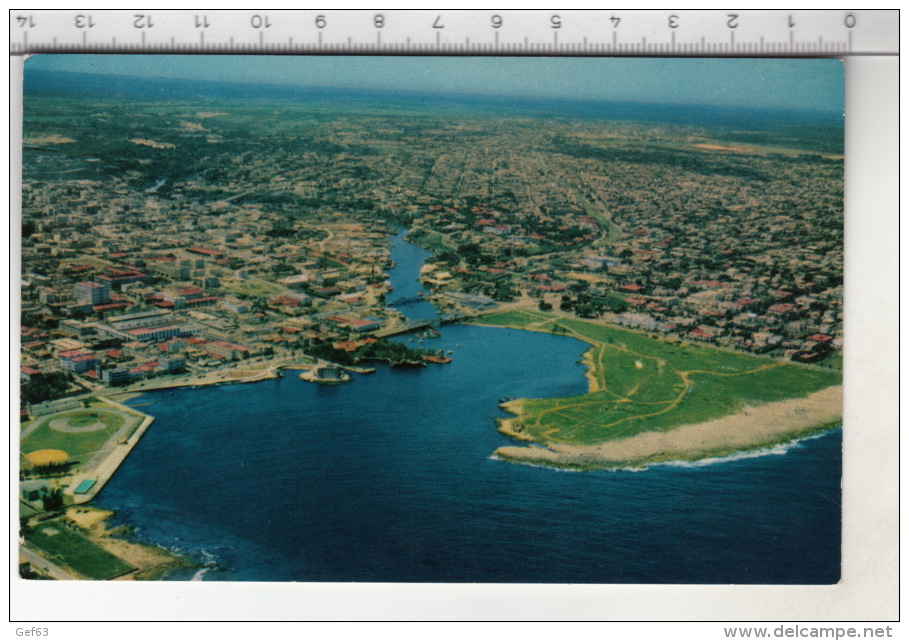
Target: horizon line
column 430, row 92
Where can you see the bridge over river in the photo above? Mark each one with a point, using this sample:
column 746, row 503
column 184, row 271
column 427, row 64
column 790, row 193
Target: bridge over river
column 411, row 300
column 417, row 325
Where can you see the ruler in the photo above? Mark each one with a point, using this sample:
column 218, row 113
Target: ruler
column 823, row 33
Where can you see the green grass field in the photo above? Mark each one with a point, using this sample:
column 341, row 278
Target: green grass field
column 80, row 554
column 642, row 383
column 76, row 444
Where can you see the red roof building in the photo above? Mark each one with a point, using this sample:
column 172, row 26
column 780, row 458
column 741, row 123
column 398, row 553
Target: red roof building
column 27, row 372
column 213, row 253
column 192, row 290
column 287, row 301
column 781, row 308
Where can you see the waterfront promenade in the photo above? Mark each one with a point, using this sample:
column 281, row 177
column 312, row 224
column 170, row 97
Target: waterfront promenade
column 244, row 372
column 104, row 463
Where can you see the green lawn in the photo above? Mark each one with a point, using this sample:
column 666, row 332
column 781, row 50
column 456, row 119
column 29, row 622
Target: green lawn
column 512, row 319
column 76, row 444
column 644, row 383
column 67, row 548
column 82, row 418
column 433, row 241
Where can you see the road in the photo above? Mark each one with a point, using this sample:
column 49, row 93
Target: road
column 42, row 565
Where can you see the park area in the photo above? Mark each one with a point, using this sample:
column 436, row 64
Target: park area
column 67, row 548
column 74, row 435
column 640, row 383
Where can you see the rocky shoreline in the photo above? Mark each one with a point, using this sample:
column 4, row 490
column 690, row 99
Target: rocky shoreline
column 753, row 428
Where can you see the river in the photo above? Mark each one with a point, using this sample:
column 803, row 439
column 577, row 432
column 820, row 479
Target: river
column 390, row 478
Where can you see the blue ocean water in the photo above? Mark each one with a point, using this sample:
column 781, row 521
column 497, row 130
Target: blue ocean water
column 389, row 478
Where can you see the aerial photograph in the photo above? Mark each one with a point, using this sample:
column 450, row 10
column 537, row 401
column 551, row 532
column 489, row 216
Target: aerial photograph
column 540, row 320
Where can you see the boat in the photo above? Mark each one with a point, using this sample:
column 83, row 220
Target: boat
column 432, row 358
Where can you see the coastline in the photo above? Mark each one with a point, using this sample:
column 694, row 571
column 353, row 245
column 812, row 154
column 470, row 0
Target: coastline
column 151, row 563
column 751, row 427
column 755, row 427
column 142, row 561
column 222, row 377
column 209, row 379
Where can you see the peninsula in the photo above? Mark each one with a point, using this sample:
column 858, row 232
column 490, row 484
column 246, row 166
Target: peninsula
column 653, row 400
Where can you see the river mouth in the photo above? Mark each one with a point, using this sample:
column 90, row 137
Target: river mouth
column 408, row 259
column 391, row 478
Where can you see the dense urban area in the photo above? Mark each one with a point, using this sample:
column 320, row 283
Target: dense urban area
column 181, row 240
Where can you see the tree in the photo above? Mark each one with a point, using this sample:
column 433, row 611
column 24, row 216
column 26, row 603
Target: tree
column 588, row 309
column 45, row 386
column 259, row 305
column 616, row 304
column 53, row 500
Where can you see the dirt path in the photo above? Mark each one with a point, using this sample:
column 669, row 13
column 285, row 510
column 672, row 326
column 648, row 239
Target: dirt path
column 753, row 428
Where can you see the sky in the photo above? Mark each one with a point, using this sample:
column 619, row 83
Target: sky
column 783, row 83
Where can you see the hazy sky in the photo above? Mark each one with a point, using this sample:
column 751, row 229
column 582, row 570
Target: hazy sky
column 799, row 83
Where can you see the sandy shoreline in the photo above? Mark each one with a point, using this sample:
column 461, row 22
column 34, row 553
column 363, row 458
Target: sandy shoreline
column 753, row 428
column 151, row 562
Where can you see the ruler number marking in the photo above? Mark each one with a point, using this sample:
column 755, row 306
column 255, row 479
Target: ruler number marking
column 259, row 21
column 83, row 21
